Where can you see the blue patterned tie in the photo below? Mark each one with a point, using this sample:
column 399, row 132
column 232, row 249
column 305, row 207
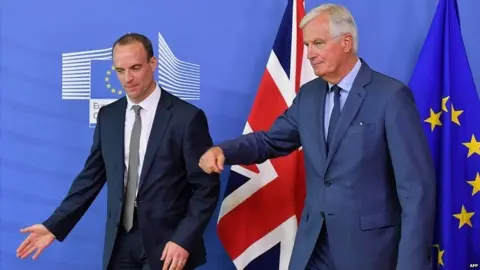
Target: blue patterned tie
column 335, row 114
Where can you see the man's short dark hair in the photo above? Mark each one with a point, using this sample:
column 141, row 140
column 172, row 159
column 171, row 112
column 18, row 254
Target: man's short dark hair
column 135, row 37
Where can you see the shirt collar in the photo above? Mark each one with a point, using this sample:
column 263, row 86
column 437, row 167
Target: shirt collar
column 347, row 82
column 149, row 103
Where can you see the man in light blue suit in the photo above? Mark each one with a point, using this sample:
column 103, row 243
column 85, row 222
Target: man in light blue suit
column 370, row 200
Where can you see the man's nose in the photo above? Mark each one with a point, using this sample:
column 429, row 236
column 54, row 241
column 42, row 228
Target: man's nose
column 128, row 76
column 310, row 54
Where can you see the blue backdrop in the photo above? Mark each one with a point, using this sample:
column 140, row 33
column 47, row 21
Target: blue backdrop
column 44, row 139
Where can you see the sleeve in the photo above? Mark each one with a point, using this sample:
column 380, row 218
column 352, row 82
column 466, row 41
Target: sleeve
column 415, row 179
column 83, row 191
column 256, row 147
column 205, row 187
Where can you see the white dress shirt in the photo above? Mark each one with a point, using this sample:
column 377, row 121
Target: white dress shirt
column 346, row 85
column 147, row 114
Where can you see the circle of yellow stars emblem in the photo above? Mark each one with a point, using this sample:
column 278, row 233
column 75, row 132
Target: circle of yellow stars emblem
column 109, row 85
column 462, row 215
column 434, row 120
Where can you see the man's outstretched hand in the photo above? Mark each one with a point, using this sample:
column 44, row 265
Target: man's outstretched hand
column 38, row 239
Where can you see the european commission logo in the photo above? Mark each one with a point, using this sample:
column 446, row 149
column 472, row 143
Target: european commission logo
column 90, row 75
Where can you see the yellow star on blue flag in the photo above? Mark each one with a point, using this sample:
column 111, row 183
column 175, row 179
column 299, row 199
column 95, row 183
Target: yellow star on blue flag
column 448, row 102
column 104, row 81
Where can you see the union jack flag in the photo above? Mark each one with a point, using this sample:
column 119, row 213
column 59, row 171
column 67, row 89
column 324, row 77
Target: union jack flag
column 262, row 206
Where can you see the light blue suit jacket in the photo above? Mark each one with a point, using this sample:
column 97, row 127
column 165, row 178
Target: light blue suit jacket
column 375, row 190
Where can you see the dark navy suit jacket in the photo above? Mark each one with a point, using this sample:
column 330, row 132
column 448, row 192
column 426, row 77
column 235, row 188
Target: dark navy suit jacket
column 374, row 190
column 175, row 200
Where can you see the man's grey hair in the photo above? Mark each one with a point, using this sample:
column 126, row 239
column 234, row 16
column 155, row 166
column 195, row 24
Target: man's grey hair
column 341, row 21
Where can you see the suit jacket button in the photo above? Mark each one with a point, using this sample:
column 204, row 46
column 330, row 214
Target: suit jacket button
column 328, row 183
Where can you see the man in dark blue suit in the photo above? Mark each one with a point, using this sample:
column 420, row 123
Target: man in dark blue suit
column 370, row 200
column 146, row 148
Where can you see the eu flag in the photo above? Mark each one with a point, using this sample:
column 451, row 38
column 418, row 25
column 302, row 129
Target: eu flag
column 445, row 93
column 104, row 81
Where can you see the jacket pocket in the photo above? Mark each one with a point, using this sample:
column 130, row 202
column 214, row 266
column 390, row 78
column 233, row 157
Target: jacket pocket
column 380, row 220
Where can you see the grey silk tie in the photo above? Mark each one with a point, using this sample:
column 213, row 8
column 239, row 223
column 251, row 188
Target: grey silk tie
column 132, row 177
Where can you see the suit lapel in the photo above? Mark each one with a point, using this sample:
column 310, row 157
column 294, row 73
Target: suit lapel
column 114, row 128
column 160, row 123
column 117, row 139
column 320, row 113
column 352, row 105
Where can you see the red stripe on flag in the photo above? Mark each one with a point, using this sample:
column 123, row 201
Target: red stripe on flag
column 299, row 44
column 252, row 167
column 268, row 104
column 264, row 211
column 300, row 185
column 300, row 168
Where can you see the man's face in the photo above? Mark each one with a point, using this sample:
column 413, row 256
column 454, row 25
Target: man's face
column 326, row 53
column 134, row 70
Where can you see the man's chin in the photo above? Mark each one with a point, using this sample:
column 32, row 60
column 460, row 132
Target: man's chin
column 319, row 73
column 132, row 94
